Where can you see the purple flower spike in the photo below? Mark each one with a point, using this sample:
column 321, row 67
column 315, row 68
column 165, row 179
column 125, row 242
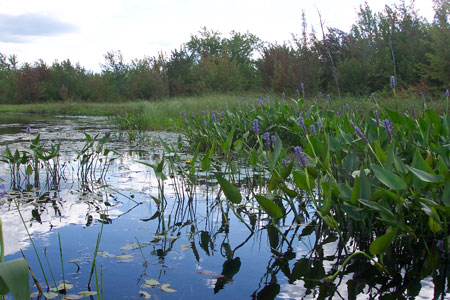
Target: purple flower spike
column 347, row 108
column 273, row 140
column 28, row 129
column 301, row 157
column 302, row 86
column 312, row 129
column 245, row 123
column 284, row 163
column 301, row 122
column 339, row 112
column 2, row 188
column 255, row 126
column 377, row 118
column 389, row 127
column 447, row 93
column 359, row 133
column 213, row 116
column 393, row 82
column 329, row 97
column 283, row 95
column 267, row 139
column 319, row 124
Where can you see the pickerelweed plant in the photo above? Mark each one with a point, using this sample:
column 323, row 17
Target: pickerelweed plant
column 381, row 183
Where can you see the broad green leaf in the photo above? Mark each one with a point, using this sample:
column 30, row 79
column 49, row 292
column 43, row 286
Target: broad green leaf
column 433, row 225
column 356, row 191
column 269, row 206
column 425, row 176
column 276, row 152
column 446, row 194
column 273, row 236
column 227, row 144
column 365, row 185
column 379, row 245
column 356, row 213
column 376, row 206
column 231, row 192
column 389, row 178
column 14, row 274
column 303, row 181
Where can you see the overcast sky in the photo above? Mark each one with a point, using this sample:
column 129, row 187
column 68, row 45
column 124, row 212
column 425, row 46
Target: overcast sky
column 84, row 30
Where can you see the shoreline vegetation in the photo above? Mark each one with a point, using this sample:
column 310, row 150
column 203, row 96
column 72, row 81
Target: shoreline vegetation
column 163, row 114
column 395, row 42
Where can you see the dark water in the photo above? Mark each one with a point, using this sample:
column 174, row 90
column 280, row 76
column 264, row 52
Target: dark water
column 195, row 244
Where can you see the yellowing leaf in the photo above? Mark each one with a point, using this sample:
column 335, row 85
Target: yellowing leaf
column 87, row 293
column 151, row 282
column 145, row 294
column 165, row 288
column 124, row 256
column 50, row 295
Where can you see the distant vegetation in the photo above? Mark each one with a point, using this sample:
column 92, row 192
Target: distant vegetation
column 395, row 42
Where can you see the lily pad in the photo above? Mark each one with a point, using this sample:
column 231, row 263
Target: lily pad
column 50, row 295
column 124, row 256
column 87, row 293
column 145, row 294
column 151, row 282
column 72, row 296
column 165, row 288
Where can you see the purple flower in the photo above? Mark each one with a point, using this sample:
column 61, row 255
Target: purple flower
column 180, row 113
column 319, row 124
column 329, row 97
column 372, row 96
column 327, row 105
column 226, row 106
column 245, row 123
column 203, row 112
column 347, row 108
column 301, row 157
column 273, row 139
column 284, row 163
column 283, row 95
column 301, row 122
column 28, row 129
column 447, row 93
column 388, row 126
column 204, row 122
column 312, row 129
column 296, row 112
column 184, row 115
column 267, row 138
column 213, row 116
column 250, row 101
column 339, row 112
column 359, row 133
column 255, row 126
column 298, row 93
column 377, row 118
column 393, row 82
column 302, row 86
column 320, row 94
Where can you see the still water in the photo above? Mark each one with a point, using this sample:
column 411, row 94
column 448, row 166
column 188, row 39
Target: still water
column 190, row 246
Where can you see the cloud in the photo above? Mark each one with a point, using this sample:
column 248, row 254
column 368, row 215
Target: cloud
column 19, row 28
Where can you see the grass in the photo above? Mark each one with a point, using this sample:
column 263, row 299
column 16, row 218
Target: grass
column 162, row 115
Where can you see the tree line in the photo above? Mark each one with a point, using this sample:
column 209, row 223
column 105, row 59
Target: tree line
column 394, row 42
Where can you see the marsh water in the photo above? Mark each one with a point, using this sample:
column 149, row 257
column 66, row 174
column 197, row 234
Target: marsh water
column 190, row 246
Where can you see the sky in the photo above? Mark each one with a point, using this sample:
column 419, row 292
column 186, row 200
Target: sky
column 85, row 30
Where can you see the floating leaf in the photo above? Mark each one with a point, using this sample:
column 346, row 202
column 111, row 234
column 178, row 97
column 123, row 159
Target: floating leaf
column 145, row 294
column 388, row 178
column 72, row 296
column 231, row 192
column 151, row 282
column 124, row 256
column 165, row 288
column 87, row 293
column 50, row 295
column 130, row 246
column 205, row 272
column 104, row 254
column 62, row 286
column 185, row 247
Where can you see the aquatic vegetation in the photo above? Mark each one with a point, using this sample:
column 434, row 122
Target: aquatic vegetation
column 381, row 189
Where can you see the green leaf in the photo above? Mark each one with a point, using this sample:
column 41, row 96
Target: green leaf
column 231, row 192
column 303, row 181
column 382, row 242
column 389, row 178
column 276, row 152
column 269, row 206
column 376, row 206
column 15, row 277
column 425, row 176
column 446, row 194
column 227, row 144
